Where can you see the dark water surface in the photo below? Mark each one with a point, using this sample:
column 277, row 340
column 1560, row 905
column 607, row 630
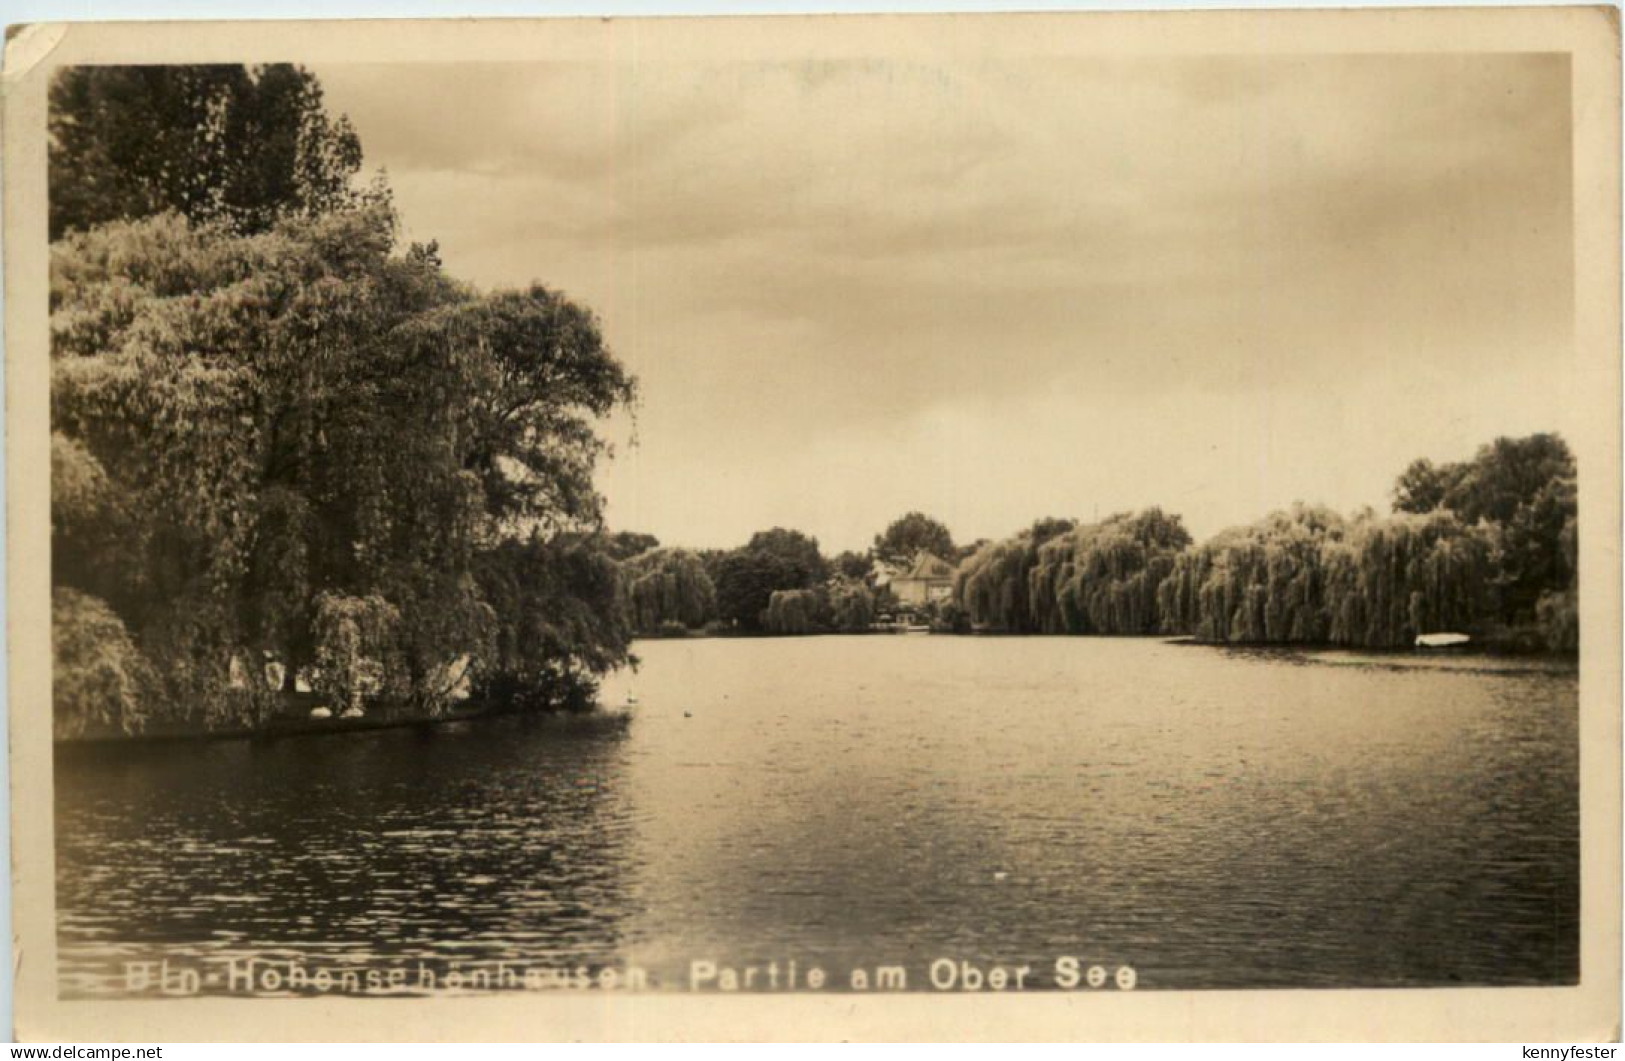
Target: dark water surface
column 1209, row 818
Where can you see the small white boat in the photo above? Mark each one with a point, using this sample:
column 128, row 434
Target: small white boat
column 1441, row 640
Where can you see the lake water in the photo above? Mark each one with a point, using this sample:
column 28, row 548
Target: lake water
column 1206, row 818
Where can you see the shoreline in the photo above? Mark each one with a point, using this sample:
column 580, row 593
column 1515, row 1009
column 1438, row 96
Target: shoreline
column 1485, row 647
column 299, row 728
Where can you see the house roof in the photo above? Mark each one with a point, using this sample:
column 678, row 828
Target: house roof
column 927, row 566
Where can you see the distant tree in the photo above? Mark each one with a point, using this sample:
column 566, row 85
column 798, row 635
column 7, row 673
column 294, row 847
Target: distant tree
column 1559, row 610
column 1308, row 575
column 1049, row 527
column 851, row 607
column 1507, row 474
column 791, row 611
column 623, row 545
column 1526, row 487
column 1102, row 578
column 1559, row 615
column 746, row 580
column 669, row 586
column 965, row 552
column 796, row 549
column 852, row 565
column 711, row 560
column 991, row 586
column 1504, row 475
column 951, row 618
column 1538, row 549
column 1061, row 577
column 244, row 146
column 910, row 535
column 1423, row 486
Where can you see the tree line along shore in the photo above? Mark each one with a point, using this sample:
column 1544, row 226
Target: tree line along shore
column 1486, row 547
column 294, row 461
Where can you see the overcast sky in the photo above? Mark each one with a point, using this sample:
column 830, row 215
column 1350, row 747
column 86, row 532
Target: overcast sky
column 1014, row 290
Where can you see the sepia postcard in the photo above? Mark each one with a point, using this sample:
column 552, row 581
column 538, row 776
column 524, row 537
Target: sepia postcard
column 1073, row 526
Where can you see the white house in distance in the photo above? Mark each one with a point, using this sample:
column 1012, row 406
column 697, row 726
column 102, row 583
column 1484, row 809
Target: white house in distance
column 927, row 580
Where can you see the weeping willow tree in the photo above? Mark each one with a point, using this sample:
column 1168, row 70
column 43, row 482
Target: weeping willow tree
column 1102, row 578
column 355, row 642
column 851, row 607
column 668, row 586
column 1097, row 578
column 992, row 585
column 100, row 680
column 246, row 427
column 792, row 611
column 1395, row 578
column 559, row 621
column 1256, row 583
column 1311, row 576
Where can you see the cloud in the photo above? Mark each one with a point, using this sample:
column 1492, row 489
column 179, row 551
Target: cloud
column 804, row 259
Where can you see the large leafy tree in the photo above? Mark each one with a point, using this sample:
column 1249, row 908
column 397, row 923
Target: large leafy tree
column 746, row 580
column 256, row 431
column 243, row 146
column 1525, row 487
column 277, row 439
column 850, row 564
column 909, row 535
column 799, row 551
column 560, row 620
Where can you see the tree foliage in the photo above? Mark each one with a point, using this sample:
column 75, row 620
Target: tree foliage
column 668, row 586
column 746, row 580
column 851, row 606
column 792, row 611
column 1485, row 547
column 100, row 682
column 1060, row 577
column 246, row 423
column 910, row 535
column 1102, row 578
column 796, row 549
column 1048, row 527
column 624, row 545
column 992, row 585
column 356, row 646
column 1524, row 486
column 241, row 146
column 1310, row 575
column 560, row 620
column 849, row 564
